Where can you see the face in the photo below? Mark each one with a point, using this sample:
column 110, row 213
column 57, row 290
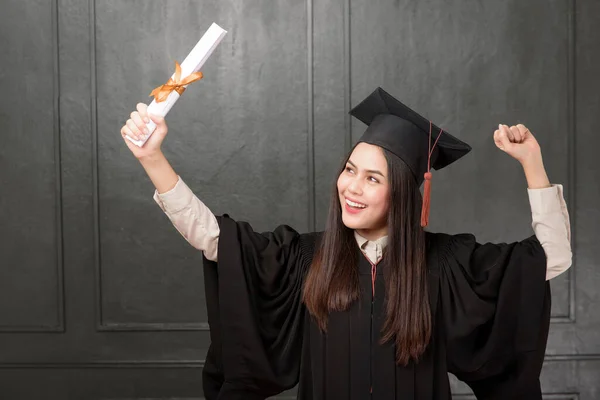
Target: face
column 363, row 190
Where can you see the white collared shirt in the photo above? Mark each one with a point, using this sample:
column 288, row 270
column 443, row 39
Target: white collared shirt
column 373, row 249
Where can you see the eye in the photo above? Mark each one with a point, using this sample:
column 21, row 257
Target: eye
column 373, row 179
column 350, row 170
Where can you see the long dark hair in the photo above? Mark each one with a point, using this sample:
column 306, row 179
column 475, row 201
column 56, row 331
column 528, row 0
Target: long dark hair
column 332, row 282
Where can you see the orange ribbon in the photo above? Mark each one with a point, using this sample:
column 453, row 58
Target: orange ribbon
column 175, row 83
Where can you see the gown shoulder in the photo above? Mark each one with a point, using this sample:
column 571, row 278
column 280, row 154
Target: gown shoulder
column 495, row 305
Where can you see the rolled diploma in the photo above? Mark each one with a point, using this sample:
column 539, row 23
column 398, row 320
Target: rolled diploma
column 192, row 63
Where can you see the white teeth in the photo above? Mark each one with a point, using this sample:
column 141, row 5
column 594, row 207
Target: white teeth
column 353, row 204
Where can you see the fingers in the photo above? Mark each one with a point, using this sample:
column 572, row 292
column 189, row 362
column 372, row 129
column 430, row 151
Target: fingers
column 133, row 128
column 137, row 120
column 142, row 109
column 125, row 131
column 507, row 132
column 501, row 138
column 524, row 130
column 516, row 134
column 136, row 126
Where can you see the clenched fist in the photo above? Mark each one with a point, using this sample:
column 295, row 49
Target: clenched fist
column 518, row 142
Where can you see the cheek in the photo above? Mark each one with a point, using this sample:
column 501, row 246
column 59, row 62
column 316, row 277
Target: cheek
column 380, row 197
column 341, row 184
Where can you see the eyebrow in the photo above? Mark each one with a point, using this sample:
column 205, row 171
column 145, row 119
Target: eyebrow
column 371, row 171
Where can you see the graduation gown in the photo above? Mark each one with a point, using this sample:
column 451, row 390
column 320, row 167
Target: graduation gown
column 490, row 307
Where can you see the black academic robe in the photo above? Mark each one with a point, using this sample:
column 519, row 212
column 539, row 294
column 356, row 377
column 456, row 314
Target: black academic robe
column 490, row 307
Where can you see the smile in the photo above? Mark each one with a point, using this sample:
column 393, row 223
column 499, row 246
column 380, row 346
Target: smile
column 355, row 204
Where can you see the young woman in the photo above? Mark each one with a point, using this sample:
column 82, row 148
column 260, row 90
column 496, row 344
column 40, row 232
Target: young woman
column 374, row 307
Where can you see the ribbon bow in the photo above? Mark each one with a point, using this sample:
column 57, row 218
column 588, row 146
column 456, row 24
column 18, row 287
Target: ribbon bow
column 175, row 83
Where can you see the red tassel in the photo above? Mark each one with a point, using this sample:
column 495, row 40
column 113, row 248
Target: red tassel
column 427, row 188
column 426, row 200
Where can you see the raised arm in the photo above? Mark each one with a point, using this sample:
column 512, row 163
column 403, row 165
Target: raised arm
column 550, row 217
column 192, row 218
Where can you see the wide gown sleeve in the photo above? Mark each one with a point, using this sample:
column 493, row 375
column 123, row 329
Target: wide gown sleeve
column 496, row 312
column 255, row 310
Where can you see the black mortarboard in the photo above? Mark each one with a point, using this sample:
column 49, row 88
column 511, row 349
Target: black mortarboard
column 402, row 131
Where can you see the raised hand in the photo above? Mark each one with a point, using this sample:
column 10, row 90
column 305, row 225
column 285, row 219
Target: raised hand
column 518, row 142
column 135, row 128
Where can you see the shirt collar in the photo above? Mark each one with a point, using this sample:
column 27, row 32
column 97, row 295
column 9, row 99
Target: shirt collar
column 363, row 242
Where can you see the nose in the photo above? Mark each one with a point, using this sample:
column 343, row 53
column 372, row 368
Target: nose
column 354, row 187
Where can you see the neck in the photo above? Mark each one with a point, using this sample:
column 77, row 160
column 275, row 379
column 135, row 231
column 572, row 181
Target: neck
column 372, row 234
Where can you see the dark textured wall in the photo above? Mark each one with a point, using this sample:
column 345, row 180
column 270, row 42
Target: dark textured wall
column 101, row 298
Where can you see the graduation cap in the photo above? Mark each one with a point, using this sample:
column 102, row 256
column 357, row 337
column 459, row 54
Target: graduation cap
column 416, row 140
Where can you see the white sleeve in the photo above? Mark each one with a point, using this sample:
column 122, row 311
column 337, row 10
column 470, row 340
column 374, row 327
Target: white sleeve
column 191, row 217
column 550, row 222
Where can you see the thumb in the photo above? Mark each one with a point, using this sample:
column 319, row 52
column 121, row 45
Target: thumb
column 161, row 125
column 157, row 119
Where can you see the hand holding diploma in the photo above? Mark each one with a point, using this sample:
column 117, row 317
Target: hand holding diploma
column 165, row 96
column 136, row 127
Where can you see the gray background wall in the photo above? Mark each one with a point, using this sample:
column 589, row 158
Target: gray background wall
column 101, row 298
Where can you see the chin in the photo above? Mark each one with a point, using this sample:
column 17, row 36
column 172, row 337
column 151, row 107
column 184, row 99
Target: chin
column 352, row 224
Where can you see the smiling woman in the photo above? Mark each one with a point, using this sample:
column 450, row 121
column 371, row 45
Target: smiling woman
column 375, row 307
column 364, row 193
column 379, row 197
